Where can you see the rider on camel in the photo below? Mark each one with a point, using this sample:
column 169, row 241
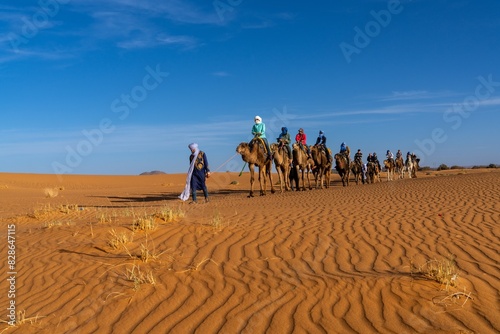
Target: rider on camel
column 358, row 157
column 301, row 138
column 343, row 151
column 321, row 141
column 259, row 131
column 390, row 156
column 284, row 139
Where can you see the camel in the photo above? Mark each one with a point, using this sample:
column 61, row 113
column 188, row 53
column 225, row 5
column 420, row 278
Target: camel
column 416, row 166
column 357, row 170
column 342, row 167
column 390, row 166
column 282, row 164
column 322, row 167
column 400, row 167
column 255, row 155
column 371, row 171
column 409, row 166
column 303, row 164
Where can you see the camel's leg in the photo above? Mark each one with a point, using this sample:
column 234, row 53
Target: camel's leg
column 279, row 170
column 303, row 181
column 269, row 169
column 251, row 168
column 309, row 179
column 286, row 173
column 262, row 180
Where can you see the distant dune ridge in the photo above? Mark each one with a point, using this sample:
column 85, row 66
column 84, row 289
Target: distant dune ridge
column 121, row 254
column 154, row 172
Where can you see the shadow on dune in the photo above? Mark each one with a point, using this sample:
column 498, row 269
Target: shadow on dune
column 163, row 197
column 107, row 254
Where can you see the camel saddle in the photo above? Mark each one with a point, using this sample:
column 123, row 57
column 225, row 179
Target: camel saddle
column 259, row 141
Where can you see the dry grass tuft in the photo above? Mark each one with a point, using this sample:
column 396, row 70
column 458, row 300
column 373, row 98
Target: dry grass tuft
column 217, row 222
column 21, row 319
column 146, row 223
column 68, row 208
column 139, row 277
column 52, row 192
column 443, row 271
column 195, row 267
column 169, row 215
column 119, row 240
column 453, row 299
column 104, row 218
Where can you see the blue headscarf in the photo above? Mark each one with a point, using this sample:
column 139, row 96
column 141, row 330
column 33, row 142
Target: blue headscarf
column 284, row 130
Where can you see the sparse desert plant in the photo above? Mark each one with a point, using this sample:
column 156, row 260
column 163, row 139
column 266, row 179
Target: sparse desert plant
column 169, row 215
column 148, row 254
column 146, row 223
column 118, row 240
column 139, row 277
column 443, row 271
column 51, row 192
column 104, row 218
column 453, row 298
column 217, row 222
column 21, row 319
column 41, row 212
column 52, row 224
column 195, row 267
column 67, row 208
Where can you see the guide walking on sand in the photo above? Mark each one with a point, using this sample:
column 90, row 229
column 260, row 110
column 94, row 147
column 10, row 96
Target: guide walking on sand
column 198, row 172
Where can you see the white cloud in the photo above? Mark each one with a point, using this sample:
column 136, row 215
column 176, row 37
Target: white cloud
column 415, row 95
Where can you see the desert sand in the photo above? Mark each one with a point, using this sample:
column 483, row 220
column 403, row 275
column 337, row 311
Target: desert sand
column 350, row 259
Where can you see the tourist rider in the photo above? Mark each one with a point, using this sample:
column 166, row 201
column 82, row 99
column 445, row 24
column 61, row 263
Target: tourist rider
column 358, row 157
column 284, row 139
column 259, row 131
column 389, row 156
column 321, row 141
column 399, row 154
column 301, row 138
column 343, row 147
column 343, row 150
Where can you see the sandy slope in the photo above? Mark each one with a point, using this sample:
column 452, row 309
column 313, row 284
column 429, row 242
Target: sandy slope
column 336, row 260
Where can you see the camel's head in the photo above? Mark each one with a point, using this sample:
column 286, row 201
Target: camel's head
column 242, row 148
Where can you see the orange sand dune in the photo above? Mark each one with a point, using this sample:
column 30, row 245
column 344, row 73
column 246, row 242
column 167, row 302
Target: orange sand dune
column 337, row 260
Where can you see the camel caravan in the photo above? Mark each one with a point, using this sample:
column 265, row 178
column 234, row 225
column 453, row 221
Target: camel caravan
column 299, row 162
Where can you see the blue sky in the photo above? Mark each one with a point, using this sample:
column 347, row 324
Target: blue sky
column 123, row 86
